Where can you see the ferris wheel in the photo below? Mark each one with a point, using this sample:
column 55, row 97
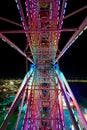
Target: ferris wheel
column 44, row 89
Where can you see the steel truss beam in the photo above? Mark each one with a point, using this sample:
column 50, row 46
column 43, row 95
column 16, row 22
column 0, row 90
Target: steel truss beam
column 5, row 39
column 38, row 31
column 68, row 104
column 65, row 87
column 61, row 18
column 75, row 12
column 10, row 21
column 19, row 114
column 17, row 98
column 74, row 100
column 73, row 38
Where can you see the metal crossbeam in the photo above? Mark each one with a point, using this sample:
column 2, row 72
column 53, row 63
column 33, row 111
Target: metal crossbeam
column 73, row 38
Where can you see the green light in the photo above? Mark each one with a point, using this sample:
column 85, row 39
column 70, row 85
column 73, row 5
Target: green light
column 43, row 114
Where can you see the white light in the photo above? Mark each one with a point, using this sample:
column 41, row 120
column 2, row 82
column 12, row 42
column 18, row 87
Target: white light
column 26, row 9
column 16, row 1
column 11, row 83
column 63, row 16
column 73, row 111
column 79, row 127
column 76, row 118
column 85, row 28
column 11, row 46
column 23, row 23
column 72, row 127
column 65, row 4
column 18, row 6
column 73, row 41
column 58, row 7
column 27, row 14
column 62, row 22
column 25, row 3
column 80, row 33
column 76, row 37
column 21, row 18
column 85, row 115
column 64, row 11
column 59, row 2
column 3, row 40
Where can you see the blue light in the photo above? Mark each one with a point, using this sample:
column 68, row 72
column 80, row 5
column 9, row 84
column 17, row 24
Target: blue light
column 64, row 11
column 73, row 41
column 16, row 1
column 65, row 4
column 21, row 18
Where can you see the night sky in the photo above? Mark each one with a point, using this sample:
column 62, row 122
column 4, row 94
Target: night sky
column 73, row 63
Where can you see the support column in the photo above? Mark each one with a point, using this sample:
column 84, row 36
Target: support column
column 68, row 104
column 17, row 98
column 74, row 100
column 19, row 114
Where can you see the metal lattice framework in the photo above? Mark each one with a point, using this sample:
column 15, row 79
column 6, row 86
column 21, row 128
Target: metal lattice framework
column 44, row 86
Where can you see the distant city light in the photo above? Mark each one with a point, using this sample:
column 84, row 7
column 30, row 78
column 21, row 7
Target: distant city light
column 11, row 82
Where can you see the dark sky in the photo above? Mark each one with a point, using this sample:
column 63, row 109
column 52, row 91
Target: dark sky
column 73, row 63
